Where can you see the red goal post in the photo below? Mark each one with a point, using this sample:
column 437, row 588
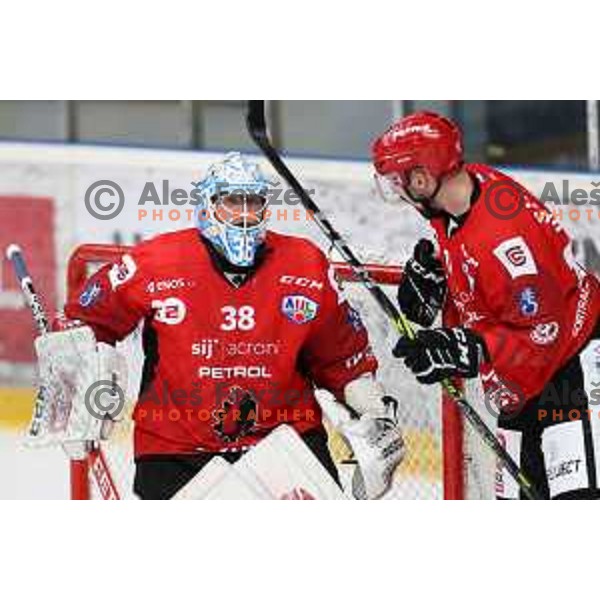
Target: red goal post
column 452, row 442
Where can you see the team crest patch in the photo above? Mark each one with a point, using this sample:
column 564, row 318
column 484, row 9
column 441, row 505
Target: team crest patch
column 528, row 302
column 90, row 295
column 236, row 417
column 544, row 334
column 299, row 309
column 122, row 272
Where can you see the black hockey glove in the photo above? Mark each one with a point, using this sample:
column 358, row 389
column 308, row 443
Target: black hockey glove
column 436, row 354
column 423, row 288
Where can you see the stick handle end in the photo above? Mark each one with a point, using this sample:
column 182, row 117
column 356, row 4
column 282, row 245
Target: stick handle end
column 11, row 250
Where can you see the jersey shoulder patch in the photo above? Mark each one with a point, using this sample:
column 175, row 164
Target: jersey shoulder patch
column 516, row 257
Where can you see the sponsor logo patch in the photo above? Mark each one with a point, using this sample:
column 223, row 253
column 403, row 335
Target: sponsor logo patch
column 545, row 333
column 564, row 468
column 170, row 311
column 528, row 302
column 236, row 417
column 581, row 312
column 122, row 272
column 241, row 371
column 205, row 348
column 516, row 257
column 167, row 285
column 90, row 295
column 299, row 309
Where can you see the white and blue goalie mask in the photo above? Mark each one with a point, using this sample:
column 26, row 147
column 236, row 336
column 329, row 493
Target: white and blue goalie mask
column 232, row 210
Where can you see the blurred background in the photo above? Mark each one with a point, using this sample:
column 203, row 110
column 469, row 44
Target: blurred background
column 516, row 132
column 53, row 154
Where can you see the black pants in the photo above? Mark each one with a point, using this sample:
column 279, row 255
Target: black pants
column 161, row 476
column 564, row 393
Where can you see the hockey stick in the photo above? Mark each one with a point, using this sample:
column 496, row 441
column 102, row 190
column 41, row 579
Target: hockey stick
column 257, row 129
column 96, row 461
column 15, row 256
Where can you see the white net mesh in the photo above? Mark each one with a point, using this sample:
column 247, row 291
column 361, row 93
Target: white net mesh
column 420, row 475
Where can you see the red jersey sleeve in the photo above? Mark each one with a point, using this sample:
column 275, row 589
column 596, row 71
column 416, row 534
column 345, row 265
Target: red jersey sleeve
column 531, row 288
column 113, row 300
column 512, row 278
column 337, row 350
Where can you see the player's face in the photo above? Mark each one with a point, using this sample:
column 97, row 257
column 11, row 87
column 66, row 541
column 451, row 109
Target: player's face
column 241, row 210
column 416, row 188
column 422, row 185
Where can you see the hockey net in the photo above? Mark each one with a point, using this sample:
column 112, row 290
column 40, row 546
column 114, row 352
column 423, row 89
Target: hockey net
column 444, row 459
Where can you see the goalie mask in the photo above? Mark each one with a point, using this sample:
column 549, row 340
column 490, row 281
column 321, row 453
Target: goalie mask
column 232, row 212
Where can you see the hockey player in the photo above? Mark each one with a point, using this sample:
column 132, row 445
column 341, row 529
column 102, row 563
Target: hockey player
column 519, row 309
column 240, row 324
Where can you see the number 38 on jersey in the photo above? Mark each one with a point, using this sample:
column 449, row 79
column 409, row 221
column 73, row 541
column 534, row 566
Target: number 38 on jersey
column 238, row 318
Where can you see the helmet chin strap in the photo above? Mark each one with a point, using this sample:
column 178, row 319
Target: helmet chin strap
column 428, row 211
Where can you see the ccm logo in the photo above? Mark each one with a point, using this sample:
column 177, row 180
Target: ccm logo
column 303, row 282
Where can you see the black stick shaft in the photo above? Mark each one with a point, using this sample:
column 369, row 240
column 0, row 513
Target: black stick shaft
column 15, row 256
column 257, row 128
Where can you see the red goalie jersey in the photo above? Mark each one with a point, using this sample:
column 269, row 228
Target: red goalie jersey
column 512, row 278
column 225, row 364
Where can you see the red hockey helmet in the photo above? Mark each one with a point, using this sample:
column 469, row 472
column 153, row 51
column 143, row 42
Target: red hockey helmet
column 423, row 139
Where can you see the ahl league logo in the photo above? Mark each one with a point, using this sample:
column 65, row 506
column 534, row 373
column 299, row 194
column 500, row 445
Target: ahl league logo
column 299, row 309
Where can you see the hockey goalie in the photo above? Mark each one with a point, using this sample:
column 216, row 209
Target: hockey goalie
column 240, row 325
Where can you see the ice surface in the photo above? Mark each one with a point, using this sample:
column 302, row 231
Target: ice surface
column 31, row 473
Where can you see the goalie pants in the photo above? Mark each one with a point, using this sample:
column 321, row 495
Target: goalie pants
column 161, row 476
column 556, row 438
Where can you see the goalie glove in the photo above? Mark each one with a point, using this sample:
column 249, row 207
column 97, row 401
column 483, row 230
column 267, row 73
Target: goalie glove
column 375, row 437
column 83, row 386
